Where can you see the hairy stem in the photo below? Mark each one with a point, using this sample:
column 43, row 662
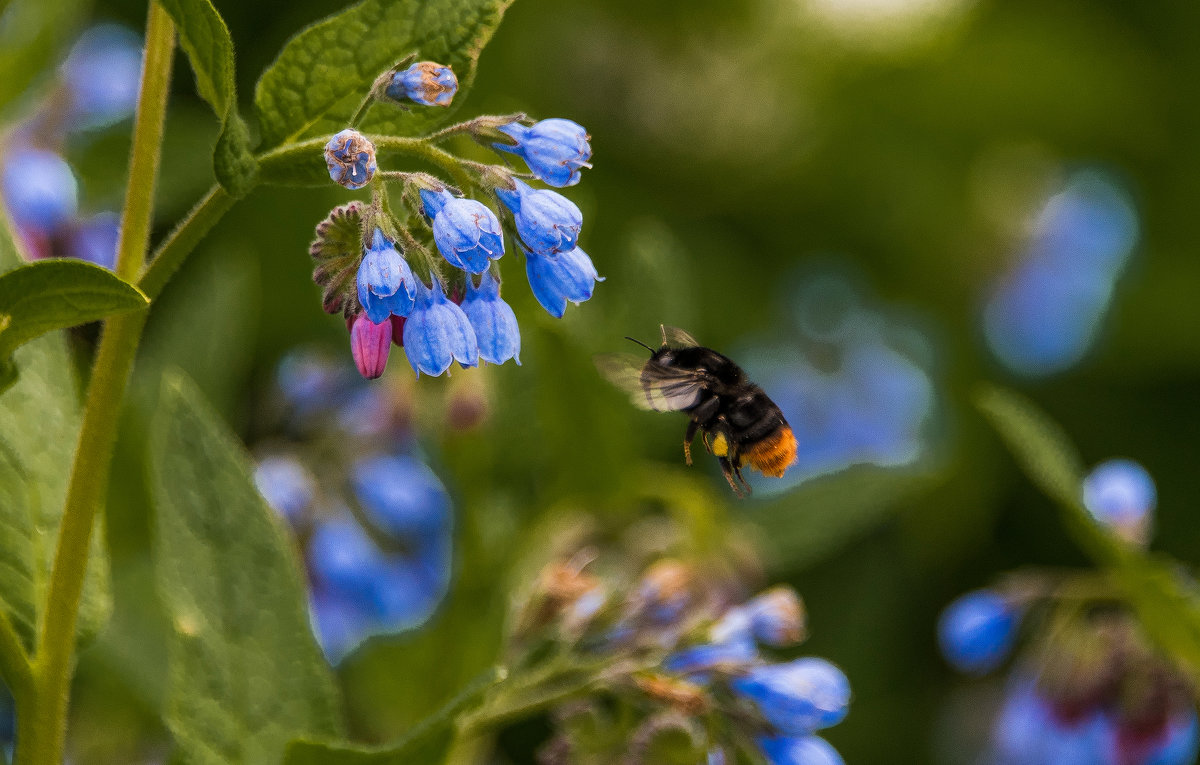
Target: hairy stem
column 169, row 255
column 46, row 729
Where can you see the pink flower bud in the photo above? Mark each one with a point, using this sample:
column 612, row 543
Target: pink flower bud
column 370, row 343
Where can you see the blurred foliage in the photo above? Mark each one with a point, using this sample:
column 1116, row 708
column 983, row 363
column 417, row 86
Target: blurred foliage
column 734, row 141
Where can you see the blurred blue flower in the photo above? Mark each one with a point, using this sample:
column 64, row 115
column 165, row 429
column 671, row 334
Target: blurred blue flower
column 554, row 149
column 977, row 631
column 437, row 332
column 401, row 495
column 799, row 750
column 774, row 617
column 854, row 383
column 103, row 76
column 95, row 239
column 709, row 656
column 555, row 279
column 493, row 320
column 1121, row 494
column 466, row 232
column 39, row 189
column 426, row 83
column 798, row 697
column 547, row 222
column 309, row 383
column 350, row 158
column 369, row 345
column 286, row 485
column 1045, row 314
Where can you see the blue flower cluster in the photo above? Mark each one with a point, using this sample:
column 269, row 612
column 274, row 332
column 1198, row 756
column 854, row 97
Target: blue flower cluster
column 378, row 554
column 98, row 88
column 449, row 310
column 1044, row 315
column 1094, row 690
column 853, row 381
column 711, row 656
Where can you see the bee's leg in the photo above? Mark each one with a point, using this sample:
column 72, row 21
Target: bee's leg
column 727, row 468
column 692, row 427
column 737, row 471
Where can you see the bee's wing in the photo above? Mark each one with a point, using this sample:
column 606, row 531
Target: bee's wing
column 674, row 337
column 650, row 385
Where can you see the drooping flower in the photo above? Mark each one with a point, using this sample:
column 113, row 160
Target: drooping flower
column 369, row 344
column 547, row 222
column 798, row 697
column 350, row 158
column 557, row 279
column 425, row 82
column 493, row 320
column 437, row 332
column 466, row 232
column 977, row 631
column 401, row 495
column 385, row 282
column 554, row 149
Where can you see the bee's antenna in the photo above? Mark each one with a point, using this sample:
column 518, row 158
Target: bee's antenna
column 639, row 342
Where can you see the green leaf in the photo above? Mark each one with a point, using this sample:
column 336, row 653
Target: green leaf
column 39, row 427
column 33, row 35
column 245, row 675
column 1166, row 601
column 41, row 297
column 322, row 74
column 205, row 38
column 428, row 743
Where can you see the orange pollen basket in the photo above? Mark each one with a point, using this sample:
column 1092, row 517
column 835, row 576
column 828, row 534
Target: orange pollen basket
column 772, row 455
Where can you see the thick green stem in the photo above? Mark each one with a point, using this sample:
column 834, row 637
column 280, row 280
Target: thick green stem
column 45, row 732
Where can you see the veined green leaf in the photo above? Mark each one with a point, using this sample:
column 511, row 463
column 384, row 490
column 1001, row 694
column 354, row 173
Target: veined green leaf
column 39, row 427
column 245, row 675
column 205, row 38
column 41, row 297
column 322, row 74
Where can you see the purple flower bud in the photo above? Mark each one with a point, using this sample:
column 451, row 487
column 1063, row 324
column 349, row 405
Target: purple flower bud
column 39, row 189
column 493, row 320
column 554, row 149
column 103, row 75
column 350, row 158
column 370, row 343
column 547, row 222
column 797, row 697
column 557, row 279
column 425, row 82
column 466, row 232
column 437, row 332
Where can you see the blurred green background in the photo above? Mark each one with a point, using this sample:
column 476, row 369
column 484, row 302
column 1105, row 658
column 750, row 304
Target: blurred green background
column 738, row 145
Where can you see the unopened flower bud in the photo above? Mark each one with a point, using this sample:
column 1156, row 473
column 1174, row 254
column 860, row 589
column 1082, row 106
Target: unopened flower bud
column 554, row 149
column 370, row 343
column 350, row 158
column 426, row 83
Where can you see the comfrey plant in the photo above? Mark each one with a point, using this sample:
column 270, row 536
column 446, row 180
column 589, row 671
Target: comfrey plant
column 372, row 520
column 374, row 261
column 684, row 667
column 416, row 264
column 1090, row 686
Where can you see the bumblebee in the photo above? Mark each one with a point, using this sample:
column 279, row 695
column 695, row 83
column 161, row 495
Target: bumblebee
column 739, row 423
